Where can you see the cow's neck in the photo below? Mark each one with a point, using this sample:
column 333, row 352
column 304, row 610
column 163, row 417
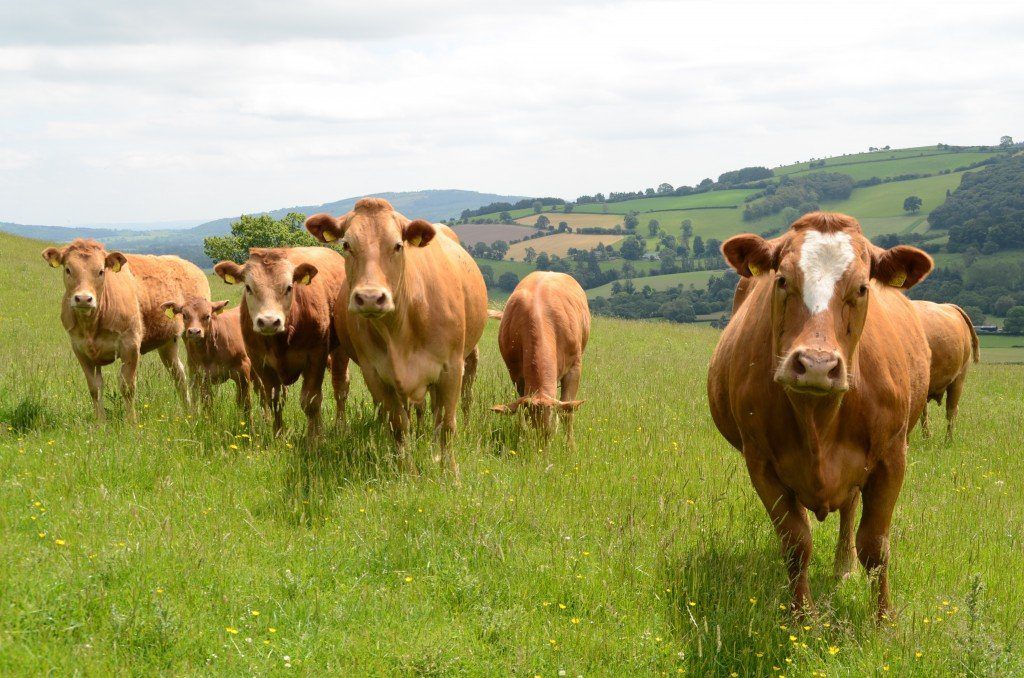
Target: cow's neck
column 817, row 419
column 540, row 359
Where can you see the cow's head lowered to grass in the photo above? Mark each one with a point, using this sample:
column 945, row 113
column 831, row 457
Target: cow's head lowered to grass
column 373, row 238
column 270, row 280
column 540, row 410
column 85, row 264
column 822, row 270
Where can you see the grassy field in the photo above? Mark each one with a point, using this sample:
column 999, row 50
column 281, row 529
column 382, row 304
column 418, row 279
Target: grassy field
column 576, row 219
column 470, row 234
column 882, row 167
column 997, row 348
column 560, row 244
column 660, row 282
column 191, row 545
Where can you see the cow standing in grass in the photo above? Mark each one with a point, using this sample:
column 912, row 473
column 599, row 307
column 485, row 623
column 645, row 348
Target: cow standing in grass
column 286, row 313
column 543, row 333
column 215, row 348
column 414, row 307
column 111, row 309
column 818, row 379
column 954, row 345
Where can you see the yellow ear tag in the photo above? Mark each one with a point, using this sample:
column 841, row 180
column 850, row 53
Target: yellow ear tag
column 898, row 280
column 329, row 237
column 169, row 312
column 306, row 279
column 754, row 269
column 416, row 241
column 116, row 267
column 229, row 279
column 54, row 263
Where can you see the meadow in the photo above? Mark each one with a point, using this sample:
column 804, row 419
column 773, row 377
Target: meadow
column 198, row 544
column 560, row 244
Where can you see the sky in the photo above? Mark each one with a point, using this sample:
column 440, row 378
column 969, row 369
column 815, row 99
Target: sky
column 120, row 111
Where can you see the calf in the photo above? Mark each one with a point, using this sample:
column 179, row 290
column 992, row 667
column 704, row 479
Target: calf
column 818, row 379
column 285, row 317
column 111, row 309
column 543, row 333
column 413, row 307
column 954, row 344
column 215, row 348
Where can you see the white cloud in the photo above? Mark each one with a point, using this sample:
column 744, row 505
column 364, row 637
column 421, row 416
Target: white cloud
column 194, row 109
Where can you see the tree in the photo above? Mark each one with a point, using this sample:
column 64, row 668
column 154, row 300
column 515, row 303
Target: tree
column 563, row 226
column 630, row 221
column 259, row 230
column 538, row 207
column 665, row 189
column 976, row 314
column 499, row 248
column 531, row 254
column 568, row 207
column 653, row 227
column 1004, row 304
column 508, row 281
column 679, row 310
column 1014, row 323
column 698, row 247
column 633, row 248
column 542, row 222
column 912, row 204
column 505, row 218
column 543, row 262
column 687, row 231
column 1006, row 141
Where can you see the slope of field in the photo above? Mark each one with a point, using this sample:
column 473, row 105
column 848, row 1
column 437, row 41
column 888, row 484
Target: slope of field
column 939, row 159
column 560, row 243
column 575, row 219
column 470, row 234
column 201, row 545
column 660, row 282
column 881, row 168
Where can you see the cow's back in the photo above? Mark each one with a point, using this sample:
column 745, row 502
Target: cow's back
column 546, row 313
column 951, row 340
column 159, row 279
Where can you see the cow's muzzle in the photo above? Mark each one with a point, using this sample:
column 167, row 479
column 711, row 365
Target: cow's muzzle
column 814, row 372
column 268, row 324
column 371, row 302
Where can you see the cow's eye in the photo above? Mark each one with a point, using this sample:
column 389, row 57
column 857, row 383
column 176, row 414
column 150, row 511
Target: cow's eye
column 206, row 318
column 398, row 246
column 781, row 283
column 67, row 270
column 345, row 247
column 288, row 290
column 248, row 290
column 863, row 290
column 101, row 272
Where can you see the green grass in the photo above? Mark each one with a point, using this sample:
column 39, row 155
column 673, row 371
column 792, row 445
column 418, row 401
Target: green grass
column 696, row 279
column 843, row 163
column 882, row 168
column 998, row 348
column 726, row 198
column 134, row 550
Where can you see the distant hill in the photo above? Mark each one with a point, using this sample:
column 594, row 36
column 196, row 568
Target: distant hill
column 188, row 243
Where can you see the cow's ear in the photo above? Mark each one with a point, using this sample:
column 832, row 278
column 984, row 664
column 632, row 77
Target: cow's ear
column 901, row 266
column 53, row 256
column 749, row 254
column 419, row 233
column 115, row 260
column 229, row 272
column 570, row 405
column 170, row 309
column 326, row 228
column 219, row 306
column 304, row 274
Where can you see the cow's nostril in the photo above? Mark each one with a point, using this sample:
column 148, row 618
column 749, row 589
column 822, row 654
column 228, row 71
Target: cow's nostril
column 836, row 372
column 382, row 299
column 359, row 300
column 798, row 365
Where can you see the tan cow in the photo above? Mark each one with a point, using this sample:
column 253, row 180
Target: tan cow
column 215, row 348
column 954, row 344
column 414, row 307
column 286, row 314
column 818, row 379
column 543, row 333
column 111, row 309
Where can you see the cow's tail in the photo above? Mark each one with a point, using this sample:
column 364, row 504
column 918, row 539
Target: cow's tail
column 975, row 347
column 493, row 314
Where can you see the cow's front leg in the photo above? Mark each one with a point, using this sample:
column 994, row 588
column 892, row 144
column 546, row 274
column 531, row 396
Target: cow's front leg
column 390, row 405
column 129, row 370
column 172, row 361
column 339, row 384
column 447, row 392
column 791, row 524
column 311, row 397
column 846, row 548
column 94, row 378
column 880, row 494
column 470, row 365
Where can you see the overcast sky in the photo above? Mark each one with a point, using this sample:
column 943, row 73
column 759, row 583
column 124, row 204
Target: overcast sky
column 203, row 108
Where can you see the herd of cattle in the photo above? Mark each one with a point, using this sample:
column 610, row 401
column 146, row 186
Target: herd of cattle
column 818, row 379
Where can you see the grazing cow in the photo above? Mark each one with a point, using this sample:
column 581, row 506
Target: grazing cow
column 414, row 307
column 215, row 348
column 954, row 344
column 543, row 333
column 285, row 315
column 111, row 309
column 818, row 379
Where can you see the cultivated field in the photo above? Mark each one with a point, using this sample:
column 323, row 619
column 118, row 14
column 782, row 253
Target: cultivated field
column 576, row 220
column 660, row 282
column 193, row 546
column 470, row 234
column 560, row 243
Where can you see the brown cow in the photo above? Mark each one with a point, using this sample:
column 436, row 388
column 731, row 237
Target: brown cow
column 286, row 315
column 111, row 309
column 414, row 307
column 954, row 344
column 215, row 348
column 543, row 333
column 818, row 379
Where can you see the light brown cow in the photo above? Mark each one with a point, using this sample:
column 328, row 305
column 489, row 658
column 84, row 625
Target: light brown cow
column 215, row 348
column 111, row 309
column 954, row 344
column 818, row 379
column 543, row 333
column 286, row 315
column 414, row 307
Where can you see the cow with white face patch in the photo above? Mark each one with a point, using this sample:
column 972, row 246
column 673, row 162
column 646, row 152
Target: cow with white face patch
column 818, row 380
column 414, row 306
column 285, row 316
column 111, row 310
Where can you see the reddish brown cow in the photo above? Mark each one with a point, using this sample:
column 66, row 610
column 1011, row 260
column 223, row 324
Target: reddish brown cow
column 954, row 344
column 215, row 348
column 111, row 309
column 414, row 307
column 543, row 333
column 818, row 379
column 285, row 316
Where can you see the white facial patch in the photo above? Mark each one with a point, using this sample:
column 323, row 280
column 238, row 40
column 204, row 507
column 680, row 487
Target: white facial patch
column 823, row 259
